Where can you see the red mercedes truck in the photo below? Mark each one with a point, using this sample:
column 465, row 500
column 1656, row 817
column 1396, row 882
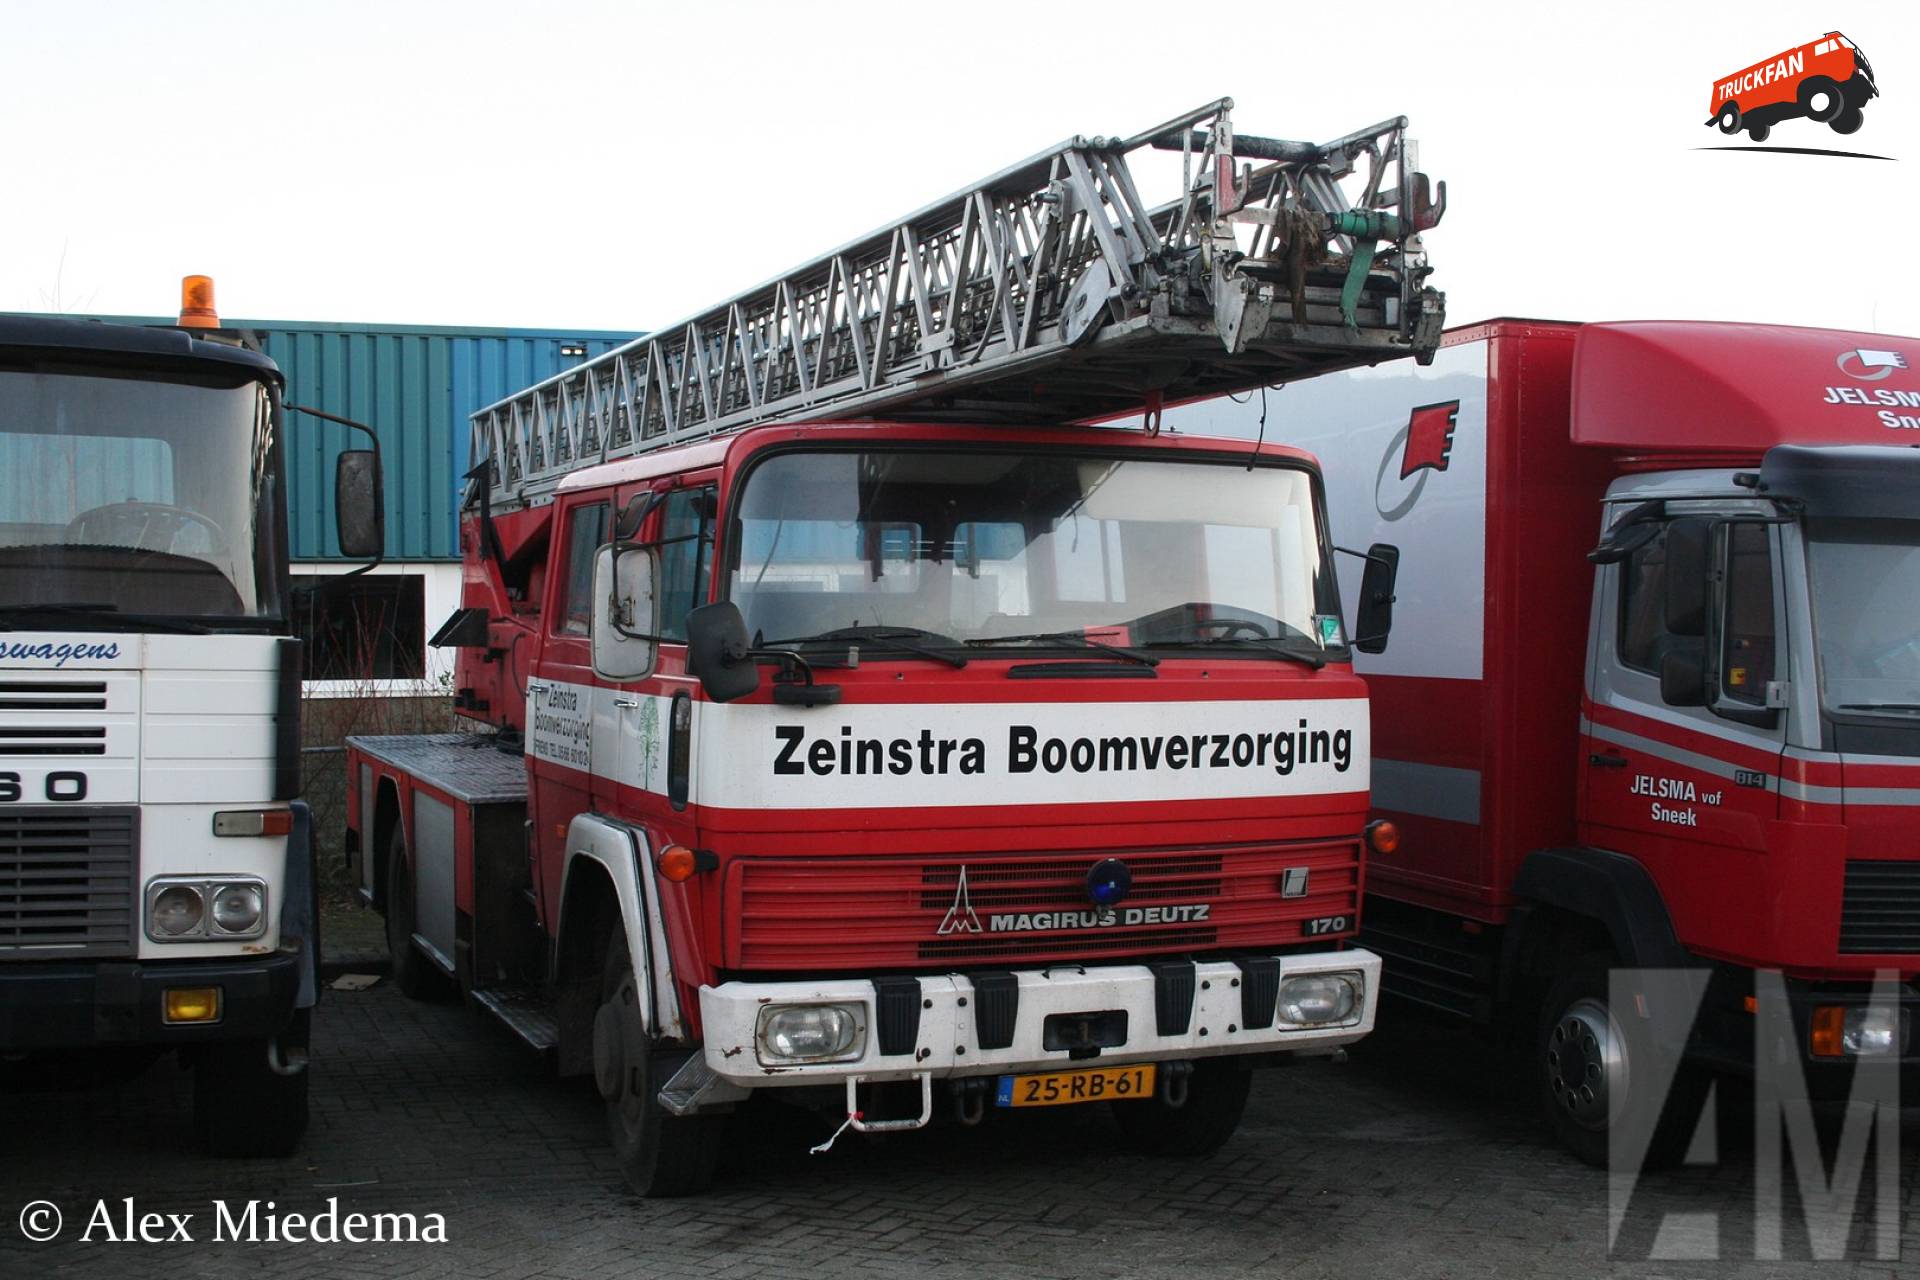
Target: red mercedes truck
column 1653, row 698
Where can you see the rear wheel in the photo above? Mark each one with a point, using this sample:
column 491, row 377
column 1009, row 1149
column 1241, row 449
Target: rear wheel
column 1594, row 1072
column 1759, row 132
column 242, row 1106
column 1216, row 1098
column 660, row 1154
column 416, row 976
column 1729, row 118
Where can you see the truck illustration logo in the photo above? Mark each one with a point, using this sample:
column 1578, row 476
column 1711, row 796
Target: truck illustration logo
column 1870, row 366
column 1424, row 444
column 1827, row 81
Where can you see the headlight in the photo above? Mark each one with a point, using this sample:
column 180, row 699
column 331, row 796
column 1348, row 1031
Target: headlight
column 177, row 911
column 237, row 908
column 808, row 1033
column 1869, row 1032
column 1316, row 999
column 182, row 909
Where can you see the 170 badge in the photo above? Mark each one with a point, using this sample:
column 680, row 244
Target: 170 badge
column 1321, row 925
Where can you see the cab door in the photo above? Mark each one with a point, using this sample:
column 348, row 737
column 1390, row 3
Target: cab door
column 562, row 694
column 1681, row 736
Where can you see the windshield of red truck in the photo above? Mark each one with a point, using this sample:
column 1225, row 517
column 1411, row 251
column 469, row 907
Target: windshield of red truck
column 972, row 545
column 132, row 496
column 1866, row 612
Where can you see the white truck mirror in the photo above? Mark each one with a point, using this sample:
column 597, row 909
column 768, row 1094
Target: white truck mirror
column 624, row 626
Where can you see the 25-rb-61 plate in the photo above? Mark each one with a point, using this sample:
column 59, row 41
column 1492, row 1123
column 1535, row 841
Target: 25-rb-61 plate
column 1088, row 1084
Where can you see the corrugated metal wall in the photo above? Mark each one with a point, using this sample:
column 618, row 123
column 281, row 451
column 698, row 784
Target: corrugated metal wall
column 414, row 384
column 416, row 387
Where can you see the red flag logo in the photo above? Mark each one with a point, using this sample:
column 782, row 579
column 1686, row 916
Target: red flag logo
column 1429, row 438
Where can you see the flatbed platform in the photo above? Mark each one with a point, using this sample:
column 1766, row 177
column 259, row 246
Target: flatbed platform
column 473, row 768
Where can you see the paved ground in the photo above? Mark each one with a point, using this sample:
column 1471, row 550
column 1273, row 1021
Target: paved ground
column 1406, row 1162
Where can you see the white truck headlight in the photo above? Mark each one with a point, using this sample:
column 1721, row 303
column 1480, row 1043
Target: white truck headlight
column 195, row 909
column 238, row 907
column 798, row 1033
column 175, row 911
column 1316, row 999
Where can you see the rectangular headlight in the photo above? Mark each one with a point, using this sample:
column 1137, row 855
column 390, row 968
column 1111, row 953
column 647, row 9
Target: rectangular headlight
column 1321, row 999
column 205, row 909
column 798, row 1033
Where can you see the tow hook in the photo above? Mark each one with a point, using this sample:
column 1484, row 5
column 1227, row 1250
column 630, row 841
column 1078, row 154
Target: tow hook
column 1173, row 1083
column 970, row 1100
column 290, row 1061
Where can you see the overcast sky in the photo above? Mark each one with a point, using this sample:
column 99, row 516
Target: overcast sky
column 620, row 165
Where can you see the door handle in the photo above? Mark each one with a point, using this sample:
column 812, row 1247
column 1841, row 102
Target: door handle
column 626, row 704
column 1607, row 760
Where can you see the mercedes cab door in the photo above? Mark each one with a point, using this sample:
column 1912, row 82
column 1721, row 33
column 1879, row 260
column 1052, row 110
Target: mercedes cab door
column 1682, row 733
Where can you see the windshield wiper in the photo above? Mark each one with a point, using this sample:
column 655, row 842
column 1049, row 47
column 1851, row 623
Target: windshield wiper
column 132, row 622
column 1275, row 645
column 899, row 638
column 1072, row 638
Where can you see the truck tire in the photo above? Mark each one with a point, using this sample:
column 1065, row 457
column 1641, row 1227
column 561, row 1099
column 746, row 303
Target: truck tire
column 1758, row 132
column 1820, row 98
column 661, row 1155
column 242, row 1106
column 417, row 977
column 1729, row 118
column 1584, row 1061
column 1848, row 121
column 1216, row 1098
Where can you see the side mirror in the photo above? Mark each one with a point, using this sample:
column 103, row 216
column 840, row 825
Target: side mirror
column 623, row 612
column 359, row 509
column 1683, row 677
column 1688, row 542
column 1374, row 617
column 717, row 652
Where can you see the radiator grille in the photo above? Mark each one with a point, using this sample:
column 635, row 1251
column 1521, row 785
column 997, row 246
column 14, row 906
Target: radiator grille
column 50, row 695
column 67, row 882
column 861, row 912
column 1880, row 908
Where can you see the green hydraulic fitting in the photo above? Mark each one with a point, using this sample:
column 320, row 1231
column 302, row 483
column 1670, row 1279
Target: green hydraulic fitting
column 1366, row 228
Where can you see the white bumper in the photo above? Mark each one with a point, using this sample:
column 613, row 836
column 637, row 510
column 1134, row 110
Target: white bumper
column 948, row 1046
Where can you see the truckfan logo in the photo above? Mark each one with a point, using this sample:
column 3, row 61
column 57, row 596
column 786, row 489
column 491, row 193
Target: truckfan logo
column 1827, row 81
column 1870, row 366
column 1424, row 444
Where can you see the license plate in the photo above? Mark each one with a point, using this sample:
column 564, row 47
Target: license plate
column 1063, row 1088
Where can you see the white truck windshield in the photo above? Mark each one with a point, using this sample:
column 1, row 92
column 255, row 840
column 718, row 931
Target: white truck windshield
column 972, row 545
column 1866, row 612
column 134, row 496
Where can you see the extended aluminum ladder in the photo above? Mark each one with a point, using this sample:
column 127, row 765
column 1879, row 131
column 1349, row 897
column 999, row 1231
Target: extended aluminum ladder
column 1049, row 293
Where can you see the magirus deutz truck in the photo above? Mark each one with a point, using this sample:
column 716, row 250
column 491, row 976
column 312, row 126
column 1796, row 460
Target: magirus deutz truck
column 864, row 728
column 1654, row 703
column 156, row 868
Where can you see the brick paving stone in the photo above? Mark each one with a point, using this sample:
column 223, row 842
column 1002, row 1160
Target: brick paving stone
column 1410, row 1161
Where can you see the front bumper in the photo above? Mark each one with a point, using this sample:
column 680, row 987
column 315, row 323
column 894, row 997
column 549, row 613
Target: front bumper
column 82, row 1005
column 958, row 1034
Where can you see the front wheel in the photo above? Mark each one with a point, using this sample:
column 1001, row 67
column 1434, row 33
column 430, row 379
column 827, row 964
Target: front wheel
column 1216, row 1099
column 1595, row 1072
column 660, row 1154
column 1820, row 98
column 1848, row 121
column 242, row 1106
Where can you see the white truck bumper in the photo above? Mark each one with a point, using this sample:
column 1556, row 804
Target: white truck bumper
column 948, row 1043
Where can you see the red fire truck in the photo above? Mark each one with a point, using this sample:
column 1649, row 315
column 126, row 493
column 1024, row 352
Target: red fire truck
column 1655, row 698
column 865, row 732
column 1826, row 80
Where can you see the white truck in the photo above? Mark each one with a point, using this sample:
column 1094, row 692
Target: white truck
column 156, row 870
